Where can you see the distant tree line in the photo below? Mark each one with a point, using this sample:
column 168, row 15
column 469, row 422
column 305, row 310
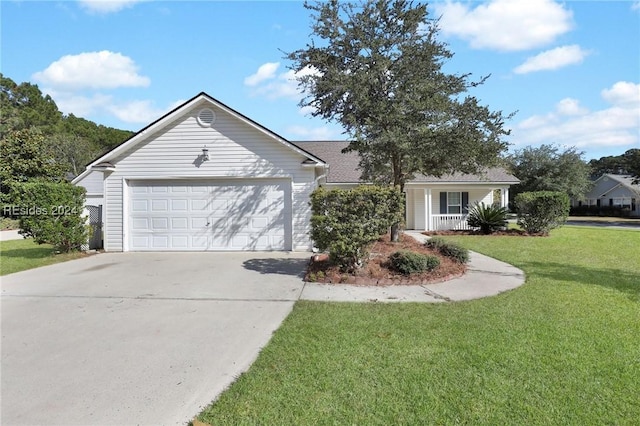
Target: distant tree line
column 69, row 141
column 549, row 168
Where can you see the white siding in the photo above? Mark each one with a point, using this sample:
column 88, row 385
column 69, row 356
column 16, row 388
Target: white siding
column 419, row 208
column 301, row 213
column 409, row 210
column 112, row 213
column 93, row 182
column 236, row 150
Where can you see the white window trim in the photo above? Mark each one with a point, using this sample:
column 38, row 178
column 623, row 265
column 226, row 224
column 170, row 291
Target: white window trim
column 459, row 205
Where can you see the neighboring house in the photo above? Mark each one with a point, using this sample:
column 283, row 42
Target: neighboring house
column 205, row 177
column 611, row 192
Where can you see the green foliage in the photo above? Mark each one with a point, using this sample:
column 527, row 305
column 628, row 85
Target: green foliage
column 24, row 156
column 488, row 218
column 545, row 168
column 408, row 262
column 23, row 106
column 542, row 211
column 449, row 249
column 51, row 213
column 627, row 163
column 71, row 141
column 377, row 70
column 345, row 222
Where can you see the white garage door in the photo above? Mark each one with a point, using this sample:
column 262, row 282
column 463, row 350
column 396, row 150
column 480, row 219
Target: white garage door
column 209, row 215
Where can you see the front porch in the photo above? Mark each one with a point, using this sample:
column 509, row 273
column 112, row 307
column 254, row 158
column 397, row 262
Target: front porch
column 446, row 207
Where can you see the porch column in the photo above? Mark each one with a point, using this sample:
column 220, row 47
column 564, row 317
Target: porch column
column 504, row 197
column 427, row 209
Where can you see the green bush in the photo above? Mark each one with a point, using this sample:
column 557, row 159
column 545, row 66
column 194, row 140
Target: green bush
column 51, row 213
column 408, row 262
column 540, row 212
column 448, row 249
column 488, row 218
column 345, row 222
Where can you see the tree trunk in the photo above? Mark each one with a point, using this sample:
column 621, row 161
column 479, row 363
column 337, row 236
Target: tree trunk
column 395, row 232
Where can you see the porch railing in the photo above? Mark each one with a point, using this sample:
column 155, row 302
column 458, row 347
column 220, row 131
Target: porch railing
column 443, row 222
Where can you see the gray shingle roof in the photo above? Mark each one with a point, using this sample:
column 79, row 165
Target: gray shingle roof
column 343, row 168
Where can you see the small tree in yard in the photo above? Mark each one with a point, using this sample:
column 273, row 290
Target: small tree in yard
column 540, row 212
column 51, row 213
column 345, row 222
column 377, row 71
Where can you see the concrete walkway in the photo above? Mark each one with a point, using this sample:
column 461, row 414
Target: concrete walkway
column 10, row 235
column 485, row 277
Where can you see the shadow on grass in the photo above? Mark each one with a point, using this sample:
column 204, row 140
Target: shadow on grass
column 624, row 281
column 295, row 267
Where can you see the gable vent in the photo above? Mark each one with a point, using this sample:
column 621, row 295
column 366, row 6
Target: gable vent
column 206, row 117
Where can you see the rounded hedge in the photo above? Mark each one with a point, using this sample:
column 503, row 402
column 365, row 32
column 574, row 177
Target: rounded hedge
column 408, row 262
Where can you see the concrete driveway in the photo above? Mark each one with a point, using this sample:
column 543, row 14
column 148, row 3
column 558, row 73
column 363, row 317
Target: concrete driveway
column 137, row 338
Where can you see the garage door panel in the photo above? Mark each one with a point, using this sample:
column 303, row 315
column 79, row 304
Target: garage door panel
column 239, row 215
column 179, row 223
column 180, row 205
column 160, row 224
column 161, row 205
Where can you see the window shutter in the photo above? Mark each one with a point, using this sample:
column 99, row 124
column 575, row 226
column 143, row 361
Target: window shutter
column 443, row 203
column 465, row 202
column 610, row 202
column 598, row 202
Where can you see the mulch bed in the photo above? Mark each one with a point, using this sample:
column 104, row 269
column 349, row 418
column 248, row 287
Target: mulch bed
column 376, row 271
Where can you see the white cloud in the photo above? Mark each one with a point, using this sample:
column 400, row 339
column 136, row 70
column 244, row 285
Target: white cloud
column 635, row 5
column 505, row 25
column 80, row 105
column 623, row 93
column 265, row 72
column 94, row 70
column 553, row 59
column 106, row 6
column 569, row 106
column 95, row 104
column 266, row 82
column 573, row 125
column 315, row 133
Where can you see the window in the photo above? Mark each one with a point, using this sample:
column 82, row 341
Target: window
column 622, row 202
column 454, row 203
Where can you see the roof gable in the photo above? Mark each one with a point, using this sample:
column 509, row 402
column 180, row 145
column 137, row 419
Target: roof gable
column 176, row 114
column 616, row 181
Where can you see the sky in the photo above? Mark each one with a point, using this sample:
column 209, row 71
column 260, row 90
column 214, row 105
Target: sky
column 569, row 70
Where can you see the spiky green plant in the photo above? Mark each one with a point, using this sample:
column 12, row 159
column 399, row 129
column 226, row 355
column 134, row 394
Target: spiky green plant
column 489, row 218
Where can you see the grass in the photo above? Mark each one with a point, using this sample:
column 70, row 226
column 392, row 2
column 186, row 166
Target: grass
column 562, row 349
column 20, row 255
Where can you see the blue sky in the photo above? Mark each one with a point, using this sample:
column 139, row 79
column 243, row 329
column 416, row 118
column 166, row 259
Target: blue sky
column 571, row 69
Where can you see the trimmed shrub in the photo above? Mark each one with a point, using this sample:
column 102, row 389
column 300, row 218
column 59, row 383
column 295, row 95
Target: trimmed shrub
column 345, row 222
column 51, row 213
column 488, row 218
column 540, row 212
column 407, row 262
column 448, row 249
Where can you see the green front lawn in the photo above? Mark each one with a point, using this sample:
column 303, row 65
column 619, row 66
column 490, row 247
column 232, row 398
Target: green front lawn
column 562, row 349
column 19, row 255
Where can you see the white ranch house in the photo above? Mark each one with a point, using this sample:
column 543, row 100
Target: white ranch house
column 612, row 190
column 204, row 177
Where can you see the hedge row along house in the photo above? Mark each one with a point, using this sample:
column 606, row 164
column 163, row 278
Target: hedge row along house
column 204, row 177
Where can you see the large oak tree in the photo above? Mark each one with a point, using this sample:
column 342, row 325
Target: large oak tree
column 376, row 68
